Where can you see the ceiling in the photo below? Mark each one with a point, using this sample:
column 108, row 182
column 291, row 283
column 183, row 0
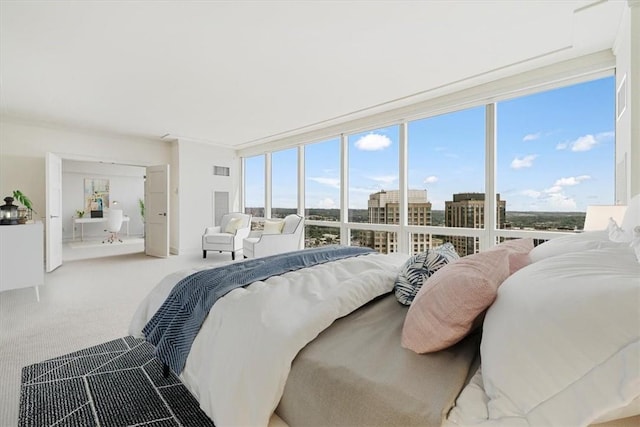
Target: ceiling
column 247, row 72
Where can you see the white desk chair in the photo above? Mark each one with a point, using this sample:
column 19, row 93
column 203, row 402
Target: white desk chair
column 114, row 223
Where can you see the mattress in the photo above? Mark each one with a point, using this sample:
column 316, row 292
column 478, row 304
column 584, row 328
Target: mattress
column 356, row 373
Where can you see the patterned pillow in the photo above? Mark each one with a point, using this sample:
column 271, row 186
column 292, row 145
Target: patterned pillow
column 419, row 268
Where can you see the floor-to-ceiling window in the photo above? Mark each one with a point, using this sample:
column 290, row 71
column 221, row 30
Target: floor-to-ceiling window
column 556, row 155
column 322, row 192
column 254, row 186
column 446, row 177
column 373, row 186
column 284, row 182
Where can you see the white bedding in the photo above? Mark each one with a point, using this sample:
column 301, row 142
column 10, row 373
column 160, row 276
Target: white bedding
column 560, row 345
column 240, row 360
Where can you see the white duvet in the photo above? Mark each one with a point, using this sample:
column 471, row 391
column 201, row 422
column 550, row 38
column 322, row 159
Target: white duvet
column 240, row 359
column 561, row 343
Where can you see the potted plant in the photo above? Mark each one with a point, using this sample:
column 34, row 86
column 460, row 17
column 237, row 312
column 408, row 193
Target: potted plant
column 20, row 197
column 141, row 206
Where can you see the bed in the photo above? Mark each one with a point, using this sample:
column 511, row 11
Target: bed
column 512, row 336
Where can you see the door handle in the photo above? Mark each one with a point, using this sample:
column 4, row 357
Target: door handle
column 54, row 216
column 163, row 214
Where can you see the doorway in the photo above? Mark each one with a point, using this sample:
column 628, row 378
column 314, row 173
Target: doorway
column 87, row 184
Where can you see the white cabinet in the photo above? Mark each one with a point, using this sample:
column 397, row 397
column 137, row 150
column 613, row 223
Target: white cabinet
column 21, row 256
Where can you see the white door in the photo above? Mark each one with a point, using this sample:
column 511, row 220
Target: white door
column 53, row 211
column 156, row 215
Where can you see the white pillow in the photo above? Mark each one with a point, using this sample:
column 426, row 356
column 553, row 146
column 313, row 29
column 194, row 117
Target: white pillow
column 233, row 225
column 561, row 343
column 616, row 234
column 273, row 226
column 572, row 243
column 631, row 217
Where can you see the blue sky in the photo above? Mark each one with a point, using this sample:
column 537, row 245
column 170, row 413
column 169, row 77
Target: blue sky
column 555, row 153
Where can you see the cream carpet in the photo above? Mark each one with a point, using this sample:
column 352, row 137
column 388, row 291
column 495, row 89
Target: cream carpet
column 82, row 304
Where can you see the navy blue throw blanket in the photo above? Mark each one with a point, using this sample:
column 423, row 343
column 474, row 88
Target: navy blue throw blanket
column 175, row 325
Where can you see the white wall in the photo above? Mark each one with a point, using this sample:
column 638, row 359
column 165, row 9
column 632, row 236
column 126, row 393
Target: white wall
column 197, row 185
column 627, row 51
column 23, row 146
column 126, row 187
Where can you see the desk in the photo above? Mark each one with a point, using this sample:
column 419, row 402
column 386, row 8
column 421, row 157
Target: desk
column 83, row 221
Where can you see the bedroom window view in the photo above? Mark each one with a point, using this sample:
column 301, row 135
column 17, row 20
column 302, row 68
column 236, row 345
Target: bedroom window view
column 322, row 180
column 556, row 155
column 373, row 182
column 446, row 177
column 284, row 183
column 254, row 186
column 384, row 242
column 318, row 235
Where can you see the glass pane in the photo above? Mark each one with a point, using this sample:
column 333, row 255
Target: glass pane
column 446, row 164
column 420, row 242
column 284, row 183
column 322, row 181
column 317, row 235
column 556, row 155
column 382, row 241
column 254, row 186
column 373, row 173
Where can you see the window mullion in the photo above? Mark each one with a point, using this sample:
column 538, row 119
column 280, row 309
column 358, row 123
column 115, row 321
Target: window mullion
column 490, row 202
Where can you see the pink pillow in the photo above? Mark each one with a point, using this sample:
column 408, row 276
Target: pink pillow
column 444, row 310
column 518, row 252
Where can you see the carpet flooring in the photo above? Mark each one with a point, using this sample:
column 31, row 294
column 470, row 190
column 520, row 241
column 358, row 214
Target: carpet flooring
column 115, row 384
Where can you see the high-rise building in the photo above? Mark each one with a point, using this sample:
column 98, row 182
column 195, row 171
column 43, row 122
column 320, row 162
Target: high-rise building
column 467, row 210
column 384, row 208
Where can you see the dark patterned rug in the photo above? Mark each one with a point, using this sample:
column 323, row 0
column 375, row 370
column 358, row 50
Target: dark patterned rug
column 115, row 384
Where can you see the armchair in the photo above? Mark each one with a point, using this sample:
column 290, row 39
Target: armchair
column 228, row 236
column 267, row 242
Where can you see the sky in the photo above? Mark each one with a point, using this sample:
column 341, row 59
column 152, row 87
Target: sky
column 555, row 152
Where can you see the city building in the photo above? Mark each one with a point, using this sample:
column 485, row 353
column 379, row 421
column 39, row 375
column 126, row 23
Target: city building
column 384, row 208
column 467, row 210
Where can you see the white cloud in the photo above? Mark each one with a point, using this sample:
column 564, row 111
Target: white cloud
column 534, row 194
column 384, row 179
column 331, row 182
column 362, row 190
column 603, row 136
column 584, row 143
column 373, row 142
column 525, row 162
column 531, row 137
column 327, row 203
column 431, row 179
column 572, row 180
column 554, row 189
column 561, row 202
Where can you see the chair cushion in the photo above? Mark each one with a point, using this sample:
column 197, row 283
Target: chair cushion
column 233, row 225
column 249, row 242
column 219, row 238
column 273, row 226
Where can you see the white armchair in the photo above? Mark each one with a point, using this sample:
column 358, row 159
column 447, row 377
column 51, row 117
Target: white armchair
column 228, row 236
column 271, row 242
